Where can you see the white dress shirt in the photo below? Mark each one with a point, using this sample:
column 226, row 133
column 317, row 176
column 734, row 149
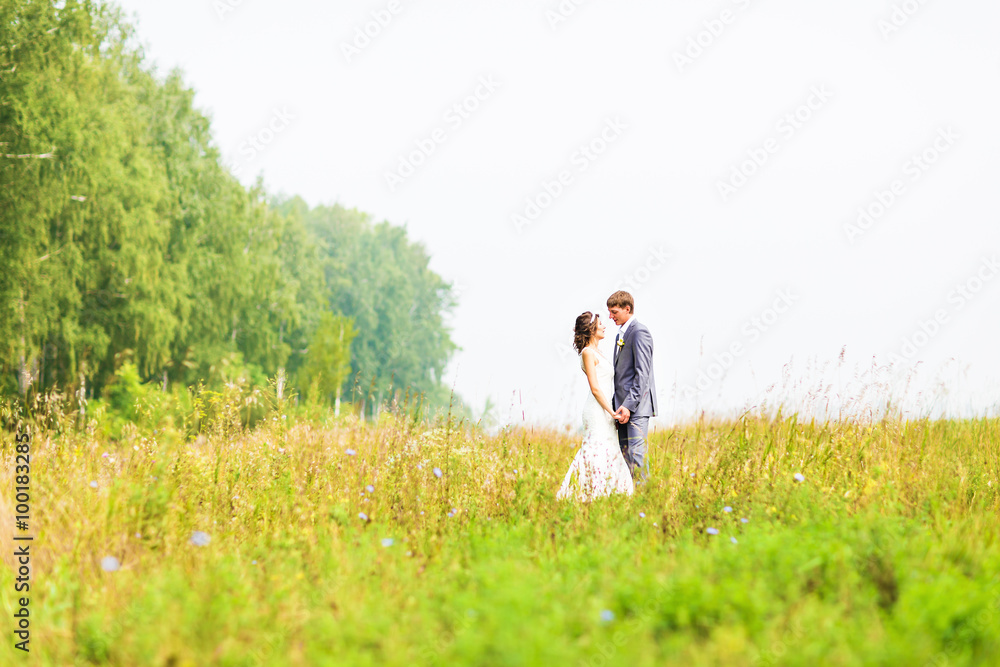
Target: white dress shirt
column 623, row 328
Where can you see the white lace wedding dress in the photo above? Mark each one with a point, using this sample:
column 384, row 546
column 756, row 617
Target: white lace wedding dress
column 599, row 469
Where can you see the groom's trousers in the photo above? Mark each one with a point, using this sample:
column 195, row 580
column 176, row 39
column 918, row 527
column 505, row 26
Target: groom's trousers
column 632, row 440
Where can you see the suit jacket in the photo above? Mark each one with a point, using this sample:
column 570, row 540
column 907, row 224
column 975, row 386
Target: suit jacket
column 635, row 387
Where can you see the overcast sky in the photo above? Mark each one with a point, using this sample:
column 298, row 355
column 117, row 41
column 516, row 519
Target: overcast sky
column 710, row 156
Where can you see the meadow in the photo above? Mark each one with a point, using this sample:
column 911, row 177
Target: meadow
column 402, row 541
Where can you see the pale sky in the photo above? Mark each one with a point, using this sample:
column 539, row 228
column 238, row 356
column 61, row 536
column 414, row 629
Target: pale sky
column 731, row 146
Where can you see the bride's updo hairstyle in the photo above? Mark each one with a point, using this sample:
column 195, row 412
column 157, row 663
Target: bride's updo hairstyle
column 586, row 327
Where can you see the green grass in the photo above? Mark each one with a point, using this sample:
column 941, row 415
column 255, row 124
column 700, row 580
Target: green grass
column 887, row 553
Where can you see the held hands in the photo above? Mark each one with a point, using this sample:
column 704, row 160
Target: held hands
column 622, row 415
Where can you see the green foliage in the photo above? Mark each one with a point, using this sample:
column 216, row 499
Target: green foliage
column 125, row 238
column 328, row 362
column 382, row 281
column 886, row 553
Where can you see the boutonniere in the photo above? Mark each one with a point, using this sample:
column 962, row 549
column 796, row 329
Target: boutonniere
column 621, row 342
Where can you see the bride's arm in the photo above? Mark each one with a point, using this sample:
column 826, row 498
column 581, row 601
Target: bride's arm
column 590, row 368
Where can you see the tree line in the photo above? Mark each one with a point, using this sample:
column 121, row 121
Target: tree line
column 125, row 239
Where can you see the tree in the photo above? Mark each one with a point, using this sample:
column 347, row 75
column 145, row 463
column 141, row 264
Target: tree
column 328, row 361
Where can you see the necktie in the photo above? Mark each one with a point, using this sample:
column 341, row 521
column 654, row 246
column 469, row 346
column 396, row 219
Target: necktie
column 618, row 339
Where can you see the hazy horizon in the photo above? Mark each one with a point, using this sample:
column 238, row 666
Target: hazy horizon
column 772, row 181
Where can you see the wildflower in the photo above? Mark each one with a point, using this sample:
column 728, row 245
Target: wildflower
column 727, row 508
column 607, row 615
column 642, row 515
column 253, row 562
column 387, row 542
column 362, row 516
column 799, row 477
column 200, row 539
column 733, row 540
column 744, row 520
column 370, row 489
column 350, row 452
column 515, row 471
column 110, row 564
column 93, row 485
column 712, row 531
column 138, row 535
column 437, row 472
column 104, row 455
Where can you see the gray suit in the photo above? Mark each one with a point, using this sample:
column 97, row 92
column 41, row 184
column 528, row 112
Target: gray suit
column 635, row 389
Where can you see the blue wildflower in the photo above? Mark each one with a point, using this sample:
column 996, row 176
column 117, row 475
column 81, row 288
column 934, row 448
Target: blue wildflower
column 200, row 539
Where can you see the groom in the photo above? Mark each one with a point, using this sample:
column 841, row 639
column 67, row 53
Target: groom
column 635, row 390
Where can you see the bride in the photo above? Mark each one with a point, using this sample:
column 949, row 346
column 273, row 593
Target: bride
column 599, row 468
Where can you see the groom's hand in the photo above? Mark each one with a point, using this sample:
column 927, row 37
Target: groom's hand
column 622, row 415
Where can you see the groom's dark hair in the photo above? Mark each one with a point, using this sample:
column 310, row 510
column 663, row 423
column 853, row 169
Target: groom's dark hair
column 621, row 299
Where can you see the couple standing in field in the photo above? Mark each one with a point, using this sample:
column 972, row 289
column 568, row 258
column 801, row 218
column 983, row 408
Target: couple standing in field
column 622, row 398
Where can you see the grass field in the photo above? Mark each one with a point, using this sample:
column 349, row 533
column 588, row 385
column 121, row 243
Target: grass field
column 886, row 553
